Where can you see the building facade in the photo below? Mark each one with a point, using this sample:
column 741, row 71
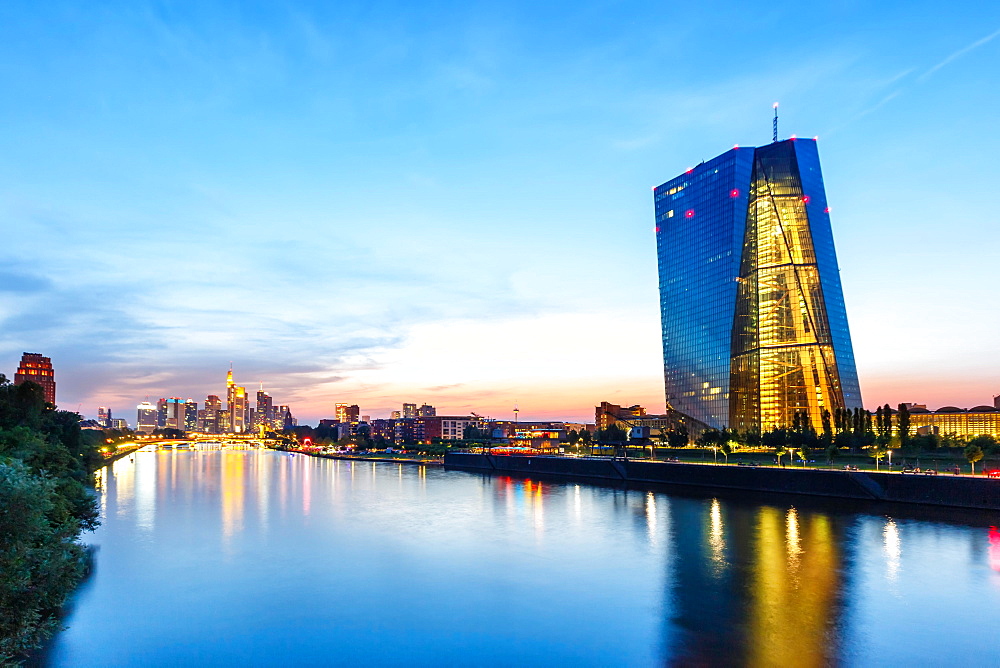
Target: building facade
column 38, row 369
column 752, row 310
column 146, row 418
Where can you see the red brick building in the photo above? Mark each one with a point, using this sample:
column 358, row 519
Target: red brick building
column 37, row 369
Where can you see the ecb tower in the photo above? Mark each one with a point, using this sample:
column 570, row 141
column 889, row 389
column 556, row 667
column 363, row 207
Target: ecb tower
column 754, row 324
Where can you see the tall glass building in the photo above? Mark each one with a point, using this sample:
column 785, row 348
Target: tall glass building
column 754, row 324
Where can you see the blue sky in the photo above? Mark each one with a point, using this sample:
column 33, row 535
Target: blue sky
column 450, row 202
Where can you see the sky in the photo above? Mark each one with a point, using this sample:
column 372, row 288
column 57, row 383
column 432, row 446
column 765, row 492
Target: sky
column 450, row 202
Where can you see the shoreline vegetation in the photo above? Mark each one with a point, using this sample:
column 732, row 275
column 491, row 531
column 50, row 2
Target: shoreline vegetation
column 46, row 503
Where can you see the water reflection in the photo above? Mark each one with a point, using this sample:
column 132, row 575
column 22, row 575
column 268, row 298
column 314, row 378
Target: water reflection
column 435, row 567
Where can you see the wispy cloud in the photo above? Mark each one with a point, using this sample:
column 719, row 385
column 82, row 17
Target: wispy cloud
column 958, row 54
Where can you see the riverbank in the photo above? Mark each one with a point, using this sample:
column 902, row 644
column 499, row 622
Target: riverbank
column 935, row 490
column 119, row 453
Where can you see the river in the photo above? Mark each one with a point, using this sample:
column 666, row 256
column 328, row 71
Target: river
column 259, row 558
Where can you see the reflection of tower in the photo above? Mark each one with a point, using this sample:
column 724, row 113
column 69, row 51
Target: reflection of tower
column 754, row 585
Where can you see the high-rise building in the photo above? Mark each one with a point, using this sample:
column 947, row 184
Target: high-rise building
column 146, row 418
column 161, row 413
column 176, row 413
column 350, row 414
column 754, row 324
column 265, row 410
column 409, row 411
column 282, row 416
column 37, row 369
column 118, row 423
column 237, row 405
column 426, row 411
column 190, row 415
column 104, row 417
column 210, row 422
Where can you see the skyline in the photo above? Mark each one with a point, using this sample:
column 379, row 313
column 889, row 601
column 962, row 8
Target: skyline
column 452, row 205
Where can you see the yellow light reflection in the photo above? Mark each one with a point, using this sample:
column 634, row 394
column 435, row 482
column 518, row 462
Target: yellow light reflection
column 651, row 518
column 791, row 618
column 893, row 549
column 716, row 537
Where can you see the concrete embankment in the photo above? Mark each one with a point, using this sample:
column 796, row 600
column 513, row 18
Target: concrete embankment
column 352, row 458
column 940, row 490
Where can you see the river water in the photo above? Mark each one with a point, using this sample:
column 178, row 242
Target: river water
column 248, row 557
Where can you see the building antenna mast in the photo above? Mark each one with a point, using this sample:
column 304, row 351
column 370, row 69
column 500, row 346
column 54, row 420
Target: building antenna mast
column 775, row 121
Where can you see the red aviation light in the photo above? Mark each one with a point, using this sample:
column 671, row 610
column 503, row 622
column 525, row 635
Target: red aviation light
column 657, row 229
column 826, row 210
column 735, row 192
column 805, row 199
column 689, row 213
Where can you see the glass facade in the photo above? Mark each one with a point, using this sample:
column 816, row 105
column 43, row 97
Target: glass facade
column 754, row 326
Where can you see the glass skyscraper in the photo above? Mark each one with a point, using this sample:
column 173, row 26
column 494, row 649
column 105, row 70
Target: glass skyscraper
column 754, row 324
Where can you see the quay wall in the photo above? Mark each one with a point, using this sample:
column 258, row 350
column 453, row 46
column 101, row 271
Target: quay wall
column 939, row 490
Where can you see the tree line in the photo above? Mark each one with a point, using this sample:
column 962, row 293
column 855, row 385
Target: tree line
column 46, row 502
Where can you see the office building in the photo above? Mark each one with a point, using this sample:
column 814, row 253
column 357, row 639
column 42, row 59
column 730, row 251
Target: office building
column 350, row 414
column 161, row 413
column 146, row 418
column 176, row 413
column 104, row 417
column 190, row 415
column 237, row 405
column 210, row 420
column 265, row 410
column 754, row 323
column 426, row 411
column 118, row 423
column 409, row 411
column 38, row 369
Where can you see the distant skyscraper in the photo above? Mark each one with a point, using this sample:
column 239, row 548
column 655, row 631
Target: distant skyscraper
column 213, row 407
column 146, row 419
column 161, row 413
column 347, row 413
column 409, row 410
column 118, row 423
column 37, row 369
column 426, row 411
column 281, row 414
column 175, row 412
column 104, row 416
column 265, row 409
column 237, row 405
column 754, row 324
column 190, row 415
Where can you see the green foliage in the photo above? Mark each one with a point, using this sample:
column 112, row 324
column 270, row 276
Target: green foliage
column 973, row 453
column 987, row 443
column 45, row 471
column 40, row 559
column 903, row 423
column 678, row 438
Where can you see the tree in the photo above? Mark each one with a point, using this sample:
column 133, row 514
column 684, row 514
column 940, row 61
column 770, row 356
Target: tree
column 726, row 448
column 678, row 437
column 826, row 439
column 45, row 467
column 903, row 424
column 973, row 453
